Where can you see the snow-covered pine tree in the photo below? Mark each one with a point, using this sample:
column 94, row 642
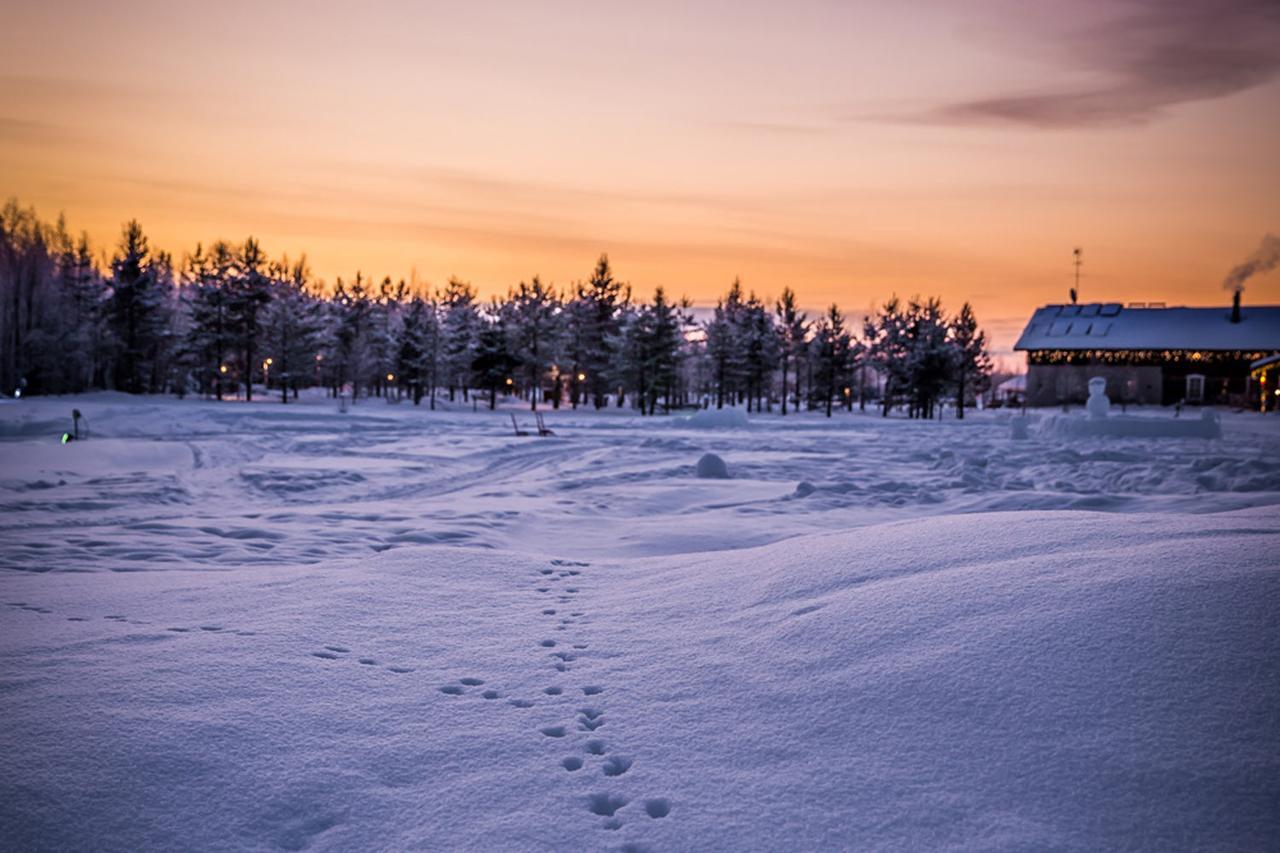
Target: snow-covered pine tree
column 292, row 326
column 666, row 339
column 418, row 361
column 830, row 349
column 136, row 311
column 536, row 327
column 384, row 332
column 494, row 363
column 649, row 351
column 930, row 355
column 461, row 323
column 248, row 294
column 759, row 352
column 792, row 328
column 724, row 345
column 602, row 300
column 887, row 350
column 973, row 363
column 205, row 279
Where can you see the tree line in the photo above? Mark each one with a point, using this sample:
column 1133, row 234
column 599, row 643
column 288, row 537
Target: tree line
column 227, row 320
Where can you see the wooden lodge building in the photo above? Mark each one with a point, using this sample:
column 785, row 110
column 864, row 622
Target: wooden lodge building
column 1149, row 353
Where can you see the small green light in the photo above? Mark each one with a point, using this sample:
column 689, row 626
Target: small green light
column 66, row 436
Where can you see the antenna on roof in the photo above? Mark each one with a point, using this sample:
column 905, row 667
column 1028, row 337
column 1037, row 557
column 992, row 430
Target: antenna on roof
column 1075, row 257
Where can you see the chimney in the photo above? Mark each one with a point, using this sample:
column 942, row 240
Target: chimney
column 1235, row 307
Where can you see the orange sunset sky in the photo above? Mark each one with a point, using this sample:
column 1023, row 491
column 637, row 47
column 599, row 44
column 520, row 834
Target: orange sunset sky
column 848, row 150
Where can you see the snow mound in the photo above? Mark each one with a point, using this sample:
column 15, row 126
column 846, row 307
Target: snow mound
column 718, row 419
column 1128, row 426
column 804, row 488
column 712, row 467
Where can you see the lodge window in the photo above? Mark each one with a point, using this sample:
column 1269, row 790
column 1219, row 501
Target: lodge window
column 1195, row 388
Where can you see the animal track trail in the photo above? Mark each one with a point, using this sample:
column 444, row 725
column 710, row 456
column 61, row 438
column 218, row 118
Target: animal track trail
column 330, row 652
column 464, row 682
column 30, row 608
column 587, row 719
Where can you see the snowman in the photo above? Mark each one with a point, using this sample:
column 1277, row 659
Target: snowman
column 1098, row 403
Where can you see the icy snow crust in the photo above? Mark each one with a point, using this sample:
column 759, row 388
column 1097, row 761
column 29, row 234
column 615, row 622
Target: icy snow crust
column 265, row 627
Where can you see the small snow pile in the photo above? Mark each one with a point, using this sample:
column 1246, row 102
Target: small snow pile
column 1129, row 426
column 718, row 419
column 712, row 467
column 804, row 489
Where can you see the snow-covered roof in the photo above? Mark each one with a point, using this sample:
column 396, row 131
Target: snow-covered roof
column 1110, row 326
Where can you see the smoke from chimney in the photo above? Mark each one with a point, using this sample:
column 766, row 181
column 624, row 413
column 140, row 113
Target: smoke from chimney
column 1265, row 258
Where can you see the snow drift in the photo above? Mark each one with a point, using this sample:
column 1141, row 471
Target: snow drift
column 1025, row 680
column 718, row 419
column 1206, row 425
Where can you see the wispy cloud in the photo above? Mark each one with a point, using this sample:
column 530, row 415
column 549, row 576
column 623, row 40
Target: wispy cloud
column 1150, row 57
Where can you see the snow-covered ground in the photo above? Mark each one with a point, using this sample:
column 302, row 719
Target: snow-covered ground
column 231, row 626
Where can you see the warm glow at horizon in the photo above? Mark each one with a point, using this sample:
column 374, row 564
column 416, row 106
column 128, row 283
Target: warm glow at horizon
column 847, row 151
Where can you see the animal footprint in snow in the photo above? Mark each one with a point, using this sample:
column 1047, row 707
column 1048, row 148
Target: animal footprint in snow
column 589, row 719
column 572, row 763
column 595, row 747
column 325, row 655
column 369, row 661
column 553, row 691
column 657, row 807
column 605, row 805
column 547, row 643
column 400, row 669
column 616, row 765
column 564, row 656
column 471, row 682
column 553, row 731
column 491, row 694
column 550, row 611
column 521, row 703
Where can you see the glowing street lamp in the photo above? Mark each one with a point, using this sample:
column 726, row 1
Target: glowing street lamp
column 222, row 369
column 391, row 377
column 582, row 377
